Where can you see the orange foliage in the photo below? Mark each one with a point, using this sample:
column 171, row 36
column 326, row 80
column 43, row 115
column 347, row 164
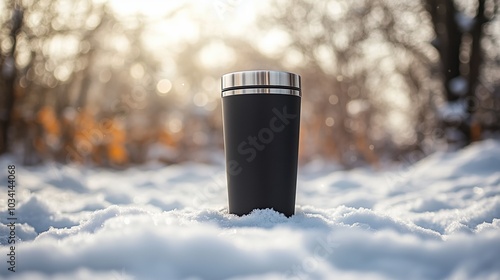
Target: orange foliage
column 84, row 126
column 100, row 141
column 475, row 131
column 167, row 139
column 117, row 153
column 47, row 118
column 116, row 145
column 39, row 145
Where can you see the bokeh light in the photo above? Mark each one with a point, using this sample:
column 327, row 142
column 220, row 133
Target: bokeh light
column 371, row 73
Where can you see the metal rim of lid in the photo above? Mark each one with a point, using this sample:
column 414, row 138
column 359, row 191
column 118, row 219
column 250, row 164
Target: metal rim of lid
column 260, row 82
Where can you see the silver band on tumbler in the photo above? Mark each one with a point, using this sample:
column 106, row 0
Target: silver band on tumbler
column 261, row 82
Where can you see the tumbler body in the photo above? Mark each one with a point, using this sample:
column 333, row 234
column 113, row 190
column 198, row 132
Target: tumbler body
column 261, row 141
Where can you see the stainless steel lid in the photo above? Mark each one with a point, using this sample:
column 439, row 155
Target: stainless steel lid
column 260, row 82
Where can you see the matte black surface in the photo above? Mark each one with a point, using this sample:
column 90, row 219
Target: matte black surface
column 262, row 174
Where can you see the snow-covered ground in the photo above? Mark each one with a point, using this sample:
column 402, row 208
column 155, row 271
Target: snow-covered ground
column 439, row 218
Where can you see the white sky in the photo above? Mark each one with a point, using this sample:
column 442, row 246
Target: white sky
column 218, row 18
column 226, row 15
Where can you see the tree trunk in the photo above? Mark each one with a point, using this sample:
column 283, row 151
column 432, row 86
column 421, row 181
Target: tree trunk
column 9, row 73
column 476, row 59
column 449, row 33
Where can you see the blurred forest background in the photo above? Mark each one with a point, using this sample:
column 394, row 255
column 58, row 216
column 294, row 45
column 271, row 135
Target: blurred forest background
column 114, row 83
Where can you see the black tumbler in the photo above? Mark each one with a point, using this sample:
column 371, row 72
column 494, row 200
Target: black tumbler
column 261, row 119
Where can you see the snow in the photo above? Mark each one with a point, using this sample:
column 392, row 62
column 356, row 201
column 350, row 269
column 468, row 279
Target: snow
column 439, row 218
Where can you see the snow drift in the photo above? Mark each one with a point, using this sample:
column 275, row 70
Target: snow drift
column 439, row 218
